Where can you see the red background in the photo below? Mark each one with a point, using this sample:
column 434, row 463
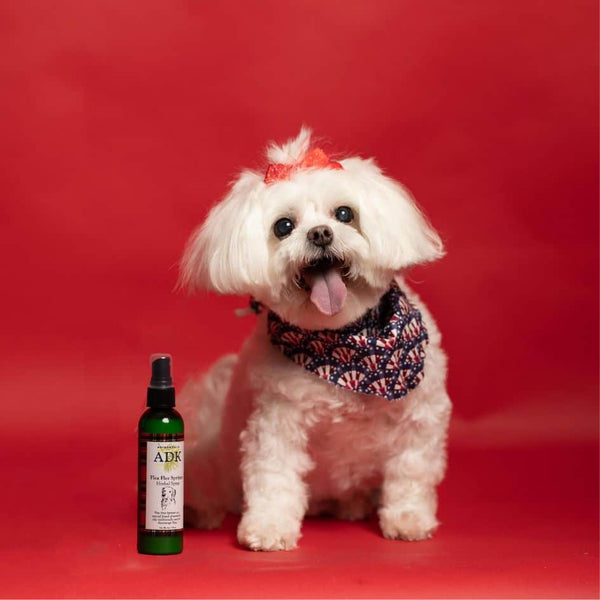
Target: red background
column 123, row 122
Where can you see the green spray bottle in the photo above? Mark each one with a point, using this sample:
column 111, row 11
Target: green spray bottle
column 160, row 466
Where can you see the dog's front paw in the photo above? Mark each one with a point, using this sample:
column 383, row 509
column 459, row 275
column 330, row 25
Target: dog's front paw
column 264, row 532
column 408, row 525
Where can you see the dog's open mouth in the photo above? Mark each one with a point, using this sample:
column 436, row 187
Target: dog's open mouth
column 324, row 279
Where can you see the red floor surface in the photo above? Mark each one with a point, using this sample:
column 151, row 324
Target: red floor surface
column 122, row 122
column 517, row 523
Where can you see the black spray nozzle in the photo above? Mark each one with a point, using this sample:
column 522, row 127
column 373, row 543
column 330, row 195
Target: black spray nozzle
column 161, row 371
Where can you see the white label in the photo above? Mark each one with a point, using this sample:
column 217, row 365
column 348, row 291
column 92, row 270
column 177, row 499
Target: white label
column 164, row 486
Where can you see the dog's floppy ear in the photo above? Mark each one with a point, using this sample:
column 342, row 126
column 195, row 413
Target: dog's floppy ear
column 398, row 233
column 228, row 253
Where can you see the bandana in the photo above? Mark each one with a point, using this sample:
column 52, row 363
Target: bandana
column 382, row 353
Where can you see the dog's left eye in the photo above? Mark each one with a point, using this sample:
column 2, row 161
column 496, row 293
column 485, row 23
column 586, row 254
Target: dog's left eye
column 283, row 227
column 344, row 214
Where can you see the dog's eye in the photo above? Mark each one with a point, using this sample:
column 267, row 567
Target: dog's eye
column 344, row 214
column 283, row 227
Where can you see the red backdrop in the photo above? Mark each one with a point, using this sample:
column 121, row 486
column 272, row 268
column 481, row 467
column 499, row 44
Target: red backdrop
column 123, row 122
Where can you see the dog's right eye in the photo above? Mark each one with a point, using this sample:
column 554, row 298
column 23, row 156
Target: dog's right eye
column 283, row 227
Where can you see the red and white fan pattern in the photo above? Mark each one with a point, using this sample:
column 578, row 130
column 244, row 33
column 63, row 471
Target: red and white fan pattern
column 383, row 353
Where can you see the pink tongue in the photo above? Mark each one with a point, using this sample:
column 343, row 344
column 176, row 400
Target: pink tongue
column 328, row 292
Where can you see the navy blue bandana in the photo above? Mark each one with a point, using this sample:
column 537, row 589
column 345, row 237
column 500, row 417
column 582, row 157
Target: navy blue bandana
column 382, row 353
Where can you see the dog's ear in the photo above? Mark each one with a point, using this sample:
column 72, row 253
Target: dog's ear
column 228, row 253
column 398, row 233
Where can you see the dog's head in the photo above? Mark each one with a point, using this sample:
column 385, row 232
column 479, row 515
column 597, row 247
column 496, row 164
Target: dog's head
column 316, row 241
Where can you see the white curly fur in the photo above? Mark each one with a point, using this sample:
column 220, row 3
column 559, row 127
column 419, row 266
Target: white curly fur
column 267, row 438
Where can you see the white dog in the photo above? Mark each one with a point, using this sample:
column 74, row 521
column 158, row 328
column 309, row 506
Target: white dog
column 336, row 403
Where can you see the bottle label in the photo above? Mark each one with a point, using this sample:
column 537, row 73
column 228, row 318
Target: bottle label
column 164, row 484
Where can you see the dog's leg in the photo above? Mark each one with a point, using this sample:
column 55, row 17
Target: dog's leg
column 273, row 466
column 409, row 498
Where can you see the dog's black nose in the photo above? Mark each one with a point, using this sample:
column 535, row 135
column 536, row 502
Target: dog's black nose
column 320, row 235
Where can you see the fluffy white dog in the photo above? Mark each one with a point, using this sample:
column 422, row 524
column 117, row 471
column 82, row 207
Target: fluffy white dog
column 336, row 404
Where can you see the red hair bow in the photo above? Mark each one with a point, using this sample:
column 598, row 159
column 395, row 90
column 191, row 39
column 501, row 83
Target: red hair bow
column 314, row 159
